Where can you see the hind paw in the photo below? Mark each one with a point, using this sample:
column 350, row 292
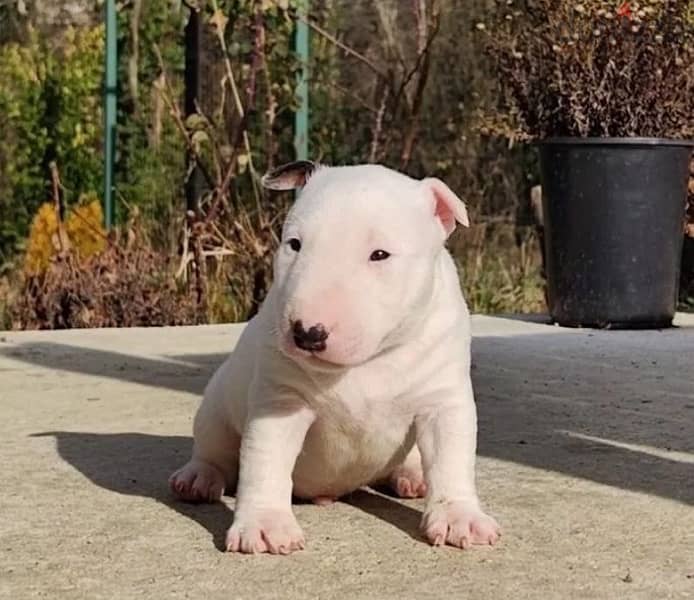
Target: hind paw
column 197, row 481
column 408, row 483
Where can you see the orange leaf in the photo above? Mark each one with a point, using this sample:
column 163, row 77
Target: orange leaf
column 624, row 10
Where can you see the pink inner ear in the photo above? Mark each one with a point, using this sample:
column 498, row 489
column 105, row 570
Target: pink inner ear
column 445, row 215
column 449, row 208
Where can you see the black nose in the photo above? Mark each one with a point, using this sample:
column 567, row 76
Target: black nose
column 311, row 339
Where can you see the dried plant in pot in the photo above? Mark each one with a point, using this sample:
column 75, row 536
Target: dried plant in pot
column 606, row 90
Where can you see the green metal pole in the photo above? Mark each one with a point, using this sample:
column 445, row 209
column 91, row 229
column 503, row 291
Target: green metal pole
column 110, row 96
column 301, row 47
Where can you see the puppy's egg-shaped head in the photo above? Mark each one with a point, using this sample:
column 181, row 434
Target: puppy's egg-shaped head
column 357, row 260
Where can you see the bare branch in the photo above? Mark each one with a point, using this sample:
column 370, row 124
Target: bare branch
column 354, row 96
column 347, row 49
column 388, row 25
column 378, row 127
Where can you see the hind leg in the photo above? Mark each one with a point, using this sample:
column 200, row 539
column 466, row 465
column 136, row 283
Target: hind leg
column 407, row 479
column 213, row 468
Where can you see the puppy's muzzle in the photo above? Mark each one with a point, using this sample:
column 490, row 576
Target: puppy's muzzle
column 311, row 339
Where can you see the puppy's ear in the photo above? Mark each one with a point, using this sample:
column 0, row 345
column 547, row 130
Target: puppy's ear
column 290, row 176
column 448, row 208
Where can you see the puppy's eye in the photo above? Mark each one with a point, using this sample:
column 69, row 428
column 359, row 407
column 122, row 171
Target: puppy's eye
column 294, row 244
column 379, row 255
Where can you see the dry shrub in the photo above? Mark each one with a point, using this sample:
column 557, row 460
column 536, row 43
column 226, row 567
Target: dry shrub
column 129, row 284
column 239, row 286
column 230, row 259
column 595, row 67
column 83, row 232
column 75, row 275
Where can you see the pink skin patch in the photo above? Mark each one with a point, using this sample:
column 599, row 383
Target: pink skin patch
column 324, row 500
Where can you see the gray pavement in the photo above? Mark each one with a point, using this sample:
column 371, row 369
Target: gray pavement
column 586, row 457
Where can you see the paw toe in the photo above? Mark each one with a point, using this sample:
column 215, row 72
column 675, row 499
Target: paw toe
column 488, row 537
column 197, row 481
column 408, row 484
column 403, row 487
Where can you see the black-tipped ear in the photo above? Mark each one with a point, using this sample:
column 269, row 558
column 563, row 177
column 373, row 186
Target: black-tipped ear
column 290, row 176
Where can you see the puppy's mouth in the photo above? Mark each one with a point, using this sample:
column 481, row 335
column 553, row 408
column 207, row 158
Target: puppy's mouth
column 322, row 363
column 313, row 360
column 322, row 360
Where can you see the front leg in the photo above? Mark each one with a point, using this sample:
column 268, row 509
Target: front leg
column 447, row 440
column 263, row 517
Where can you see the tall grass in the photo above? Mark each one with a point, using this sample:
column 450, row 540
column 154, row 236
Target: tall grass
column 500, row 269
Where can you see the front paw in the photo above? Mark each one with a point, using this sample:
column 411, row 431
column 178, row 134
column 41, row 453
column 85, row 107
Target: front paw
column 459, row 523
column 271, row 530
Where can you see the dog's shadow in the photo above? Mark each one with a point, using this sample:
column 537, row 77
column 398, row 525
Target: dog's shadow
column 381, row 504
column 138, row 464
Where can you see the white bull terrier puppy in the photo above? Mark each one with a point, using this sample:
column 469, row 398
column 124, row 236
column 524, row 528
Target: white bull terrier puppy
column 356, row 370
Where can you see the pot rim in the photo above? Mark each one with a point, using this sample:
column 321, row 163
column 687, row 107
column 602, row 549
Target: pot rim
column 614, row 141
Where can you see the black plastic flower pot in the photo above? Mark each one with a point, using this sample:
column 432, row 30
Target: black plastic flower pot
column 613, row 214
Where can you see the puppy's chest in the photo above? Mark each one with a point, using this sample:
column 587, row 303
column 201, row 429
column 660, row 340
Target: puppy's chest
column 358, row 404
column 361, row 425
column 363, row 428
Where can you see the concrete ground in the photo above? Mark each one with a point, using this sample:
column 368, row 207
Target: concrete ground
column 586, row 456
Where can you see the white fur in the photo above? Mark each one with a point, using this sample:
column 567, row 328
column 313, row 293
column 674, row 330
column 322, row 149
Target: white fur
column 392, row 382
